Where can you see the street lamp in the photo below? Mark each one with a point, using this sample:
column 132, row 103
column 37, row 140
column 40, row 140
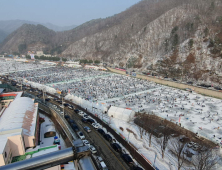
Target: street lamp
column 63, row 95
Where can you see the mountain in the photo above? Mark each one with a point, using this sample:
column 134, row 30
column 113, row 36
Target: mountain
column 31, row 37
column 3, row 35
column 174, row 38
column 8, row 26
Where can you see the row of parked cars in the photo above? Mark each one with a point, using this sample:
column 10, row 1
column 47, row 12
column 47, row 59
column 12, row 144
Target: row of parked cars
column 117, row 148
column 80, row 134
column 87, row 119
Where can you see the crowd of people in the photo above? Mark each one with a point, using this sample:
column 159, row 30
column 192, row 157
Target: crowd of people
column 198, row 113
column 13, row 66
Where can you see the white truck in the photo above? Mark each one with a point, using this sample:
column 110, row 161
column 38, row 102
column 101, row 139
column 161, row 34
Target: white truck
column 101, row 163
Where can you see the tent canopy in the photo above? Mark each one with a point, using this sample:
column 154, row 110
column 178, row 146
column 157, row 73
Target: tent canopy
column 121, row 113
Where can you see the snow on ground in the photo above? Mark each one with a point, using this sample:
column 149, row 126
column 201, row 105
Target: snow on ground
column 198, row 113
column 141, row 144
column 49, row 141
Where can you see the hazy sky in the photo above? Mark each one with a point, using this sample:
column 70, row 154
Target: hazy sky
column 61, row 12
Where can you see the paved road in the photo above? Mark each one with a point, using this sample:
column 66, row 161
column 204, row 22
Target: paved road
column 112, row 159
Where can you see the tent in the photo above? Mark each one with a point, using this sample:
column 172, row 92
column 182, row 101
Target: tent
column 121, row 113
column 49, row 131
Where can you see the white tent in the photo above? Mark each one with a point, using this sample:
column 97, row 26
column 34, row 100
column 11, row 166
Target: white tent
column 121, row 113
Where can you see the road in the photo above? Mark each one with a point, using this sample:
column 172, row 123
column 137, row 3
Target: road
column 111, row 158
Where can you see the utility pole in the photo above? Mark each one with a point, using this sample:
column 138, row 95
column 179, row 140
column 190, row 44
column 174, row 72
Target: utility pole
column 63, row 110
column 63, row 107
column 21, row 83
column 43, row 93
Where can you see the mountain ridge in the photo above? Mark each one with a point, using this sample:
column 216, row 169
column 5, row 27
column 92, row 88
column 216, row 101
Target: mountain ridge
column 8, row 26
column 173, row 38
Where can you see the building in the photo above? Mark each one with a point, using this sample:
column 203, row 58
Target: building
column 72, row 64
column 39, row 53
column 6, row 98
column 19, row 126
column 11, row 144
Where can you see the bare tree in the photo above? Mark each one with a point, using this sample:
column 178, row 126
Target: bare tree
column 177, row 148
column 141, row 130
column 163, row 141
column 151, row 126
column 206, row 159
column 141, row 124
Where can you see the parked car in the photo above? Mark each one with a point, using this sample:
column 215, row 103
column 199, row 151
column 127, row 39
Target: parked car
column 84, row 120
column 116, row 147
column 81, row 135
column 70, row 107
column 54, row 106
column 87, row 129
column 76, row 110
column 66, row 104
column 67, row 117
column 127, row 159
column 81, row 113
column 95, row 125
column 47, row 99
column 75, row 127
column 174, row 79
column 86, row 143
column 101, row 163
column 101, row 131
column 108, row 137
column 71, row 121
column 86, row 116
column 90, row 121
column 92, row 149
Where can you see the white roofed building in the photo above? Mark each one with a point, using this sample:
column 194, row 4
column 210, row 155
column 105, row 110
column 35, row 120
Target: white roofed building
column 19, row 128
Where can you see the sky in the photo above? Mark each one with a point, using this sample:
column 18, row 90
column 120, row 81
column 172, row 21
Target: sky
column 61, row 12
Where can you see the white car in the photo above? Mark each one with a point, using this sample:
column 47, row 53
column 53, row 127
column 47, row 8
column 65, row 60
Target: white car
column 92, row 149
column 95, row 125
column 86, row 142
column 81, row 135
column 54, row 106
column 85, row 116
column 81, row 113
column 70, row 107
